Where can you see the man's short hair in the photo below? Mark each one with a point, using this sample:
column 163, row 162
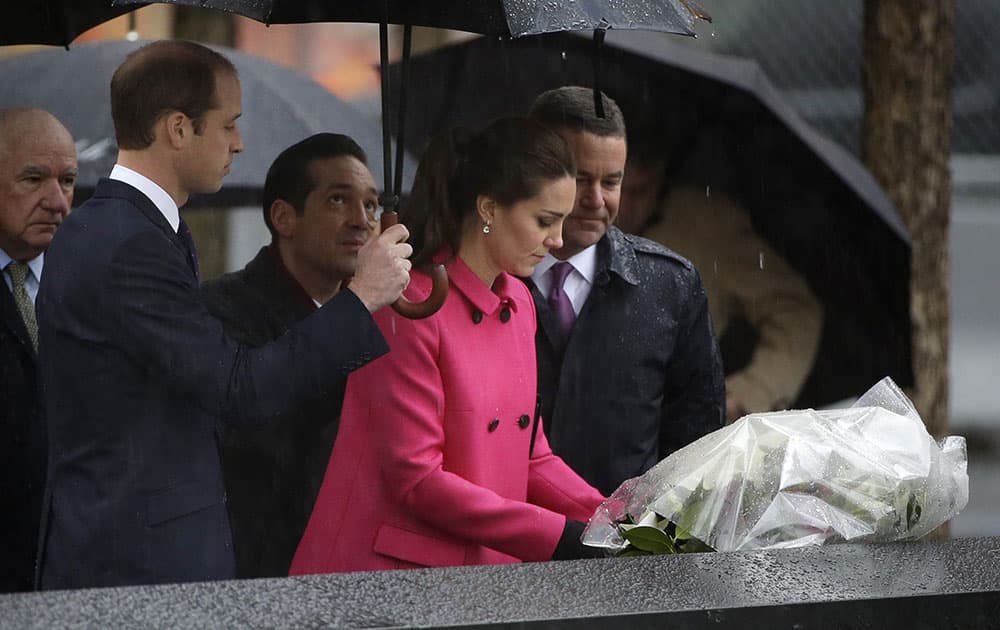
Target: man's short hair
column 289, row 177
column 162, row 77
column 572, row 108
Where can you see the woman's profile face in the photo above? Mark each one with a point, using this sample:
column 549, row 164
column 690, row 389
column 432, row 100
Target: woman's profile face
column 523, row 233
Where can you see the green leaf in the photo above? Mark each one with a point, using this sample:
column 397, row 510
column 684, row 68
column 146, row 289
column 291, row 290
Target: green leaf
column 649, row 539
column 912, row 512
column 683, row 541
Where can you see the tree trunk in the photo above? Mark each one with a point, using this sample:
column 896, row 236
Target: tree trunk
column 208, row 224
column 906, row 142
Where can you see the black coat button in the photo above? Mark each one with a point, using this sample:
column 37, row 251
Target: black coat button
column 505, row 314
column 494, row 423
column 477, row 316
column 524, row 421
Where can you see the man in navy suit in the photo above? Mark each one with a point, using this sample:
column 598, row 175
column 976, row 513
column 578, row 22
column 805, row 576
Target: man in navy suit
column 139, row 376
column 37, row 173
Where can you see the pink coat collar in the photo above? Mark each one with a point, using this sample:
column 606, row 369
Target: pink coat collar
column 487, row 300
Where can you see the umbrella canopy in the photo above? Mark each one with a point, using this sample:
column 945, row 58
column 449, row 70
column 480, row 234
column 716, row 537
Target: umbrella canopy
column 280, row 107
column 500, row 18
column 55, row 22
column 817, row 205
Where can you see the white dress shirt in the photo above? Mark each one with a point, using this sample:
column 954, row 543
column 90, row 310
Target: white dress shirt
column 160, row 198
column 579, row 281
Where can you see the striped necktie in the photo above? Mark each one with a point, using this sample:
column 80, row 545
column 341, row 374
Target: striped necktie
column 18, row 274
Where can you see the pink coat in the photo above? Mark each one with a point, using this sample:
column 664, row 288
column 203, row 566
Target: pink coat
column 430, row 466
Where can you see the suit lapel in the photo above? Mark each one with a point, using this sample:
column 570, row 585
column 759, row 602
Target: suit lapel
column 119, row 190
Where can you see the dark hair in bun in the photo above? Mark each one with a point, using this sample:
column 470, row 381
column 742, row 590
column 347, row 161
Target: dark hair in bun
column 509, row 161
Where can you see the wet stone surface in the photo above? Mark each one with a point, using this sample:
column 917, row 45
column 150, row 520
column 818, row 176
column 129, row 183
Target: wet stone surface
column 917, row 585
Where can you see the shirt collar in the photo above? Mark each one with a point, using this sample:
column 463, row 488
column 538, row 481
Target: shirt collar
column 585, row 263
column 35, row 264
column 160, row 198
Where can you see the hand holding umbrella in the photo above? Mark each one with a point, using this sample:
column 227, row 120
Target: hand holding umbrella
column 383, row 268
column 439, row 290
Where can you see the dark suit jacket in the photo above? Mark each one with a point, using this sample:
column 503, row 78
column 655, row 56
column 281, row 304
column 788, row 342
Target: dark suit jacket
column 272, row 473
column 640, row 374
column 138, row 375
column 22, row 449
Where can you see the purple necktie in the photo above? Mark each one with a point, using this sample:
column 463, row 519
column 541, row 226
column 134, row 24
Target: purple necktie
column 558, row 300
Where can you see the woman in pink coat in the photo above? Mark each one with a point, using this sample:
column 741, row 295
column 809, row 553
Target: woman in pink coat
column 431, row 466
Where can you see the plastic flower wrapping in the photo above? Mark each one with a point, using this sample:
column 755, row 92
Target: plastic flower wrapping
column 868, row 473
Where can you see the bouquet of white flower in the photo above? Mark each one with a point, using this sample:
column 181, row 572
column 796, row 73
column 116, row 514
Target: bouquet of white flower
column 869, row 473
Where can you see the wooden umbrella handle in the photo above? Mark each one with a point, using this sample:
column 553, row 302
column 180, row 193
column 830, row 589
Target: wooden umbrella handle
column 439, row 284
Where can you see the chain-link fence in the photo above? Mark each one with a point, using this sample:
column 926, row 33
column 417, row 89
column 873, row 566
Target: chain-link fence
column 811, row 50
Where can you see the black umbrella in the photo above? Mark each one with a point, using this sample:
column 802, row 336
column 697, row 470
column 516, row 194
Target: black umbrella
column 55, row 22
column 500, row 18
column 818, row 206
column 280, row 106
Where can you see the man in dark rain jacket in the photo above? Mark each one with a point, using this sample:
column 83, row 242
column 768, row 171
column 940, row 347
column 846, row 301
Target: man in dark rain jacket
column 628, row 365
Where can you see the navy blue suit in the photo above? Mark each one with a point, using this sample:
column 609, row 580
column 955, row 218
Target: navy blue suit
column 138, row 375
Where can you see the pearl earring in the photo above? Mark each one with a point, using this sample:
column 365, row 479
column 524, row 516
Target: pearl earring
column 486, row 227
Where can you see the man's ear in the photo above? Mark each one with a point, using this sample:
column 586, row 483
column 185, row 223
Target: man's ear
column 283, row 218
column 177, row 127
column 486, row 207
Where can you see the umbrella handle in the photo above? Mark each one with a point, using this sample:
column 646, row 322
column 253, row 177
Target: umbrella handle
column 439, row 286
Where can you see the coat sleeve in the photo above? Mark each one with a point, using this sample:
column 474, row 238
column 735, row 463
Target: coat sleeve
column 406, row 405
column 158, row 318
column 694, row 388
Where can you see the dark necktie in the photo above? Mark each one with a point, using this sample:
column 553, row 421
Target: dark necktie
column 18, row 274
column 558, row 299
column 185, row 233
